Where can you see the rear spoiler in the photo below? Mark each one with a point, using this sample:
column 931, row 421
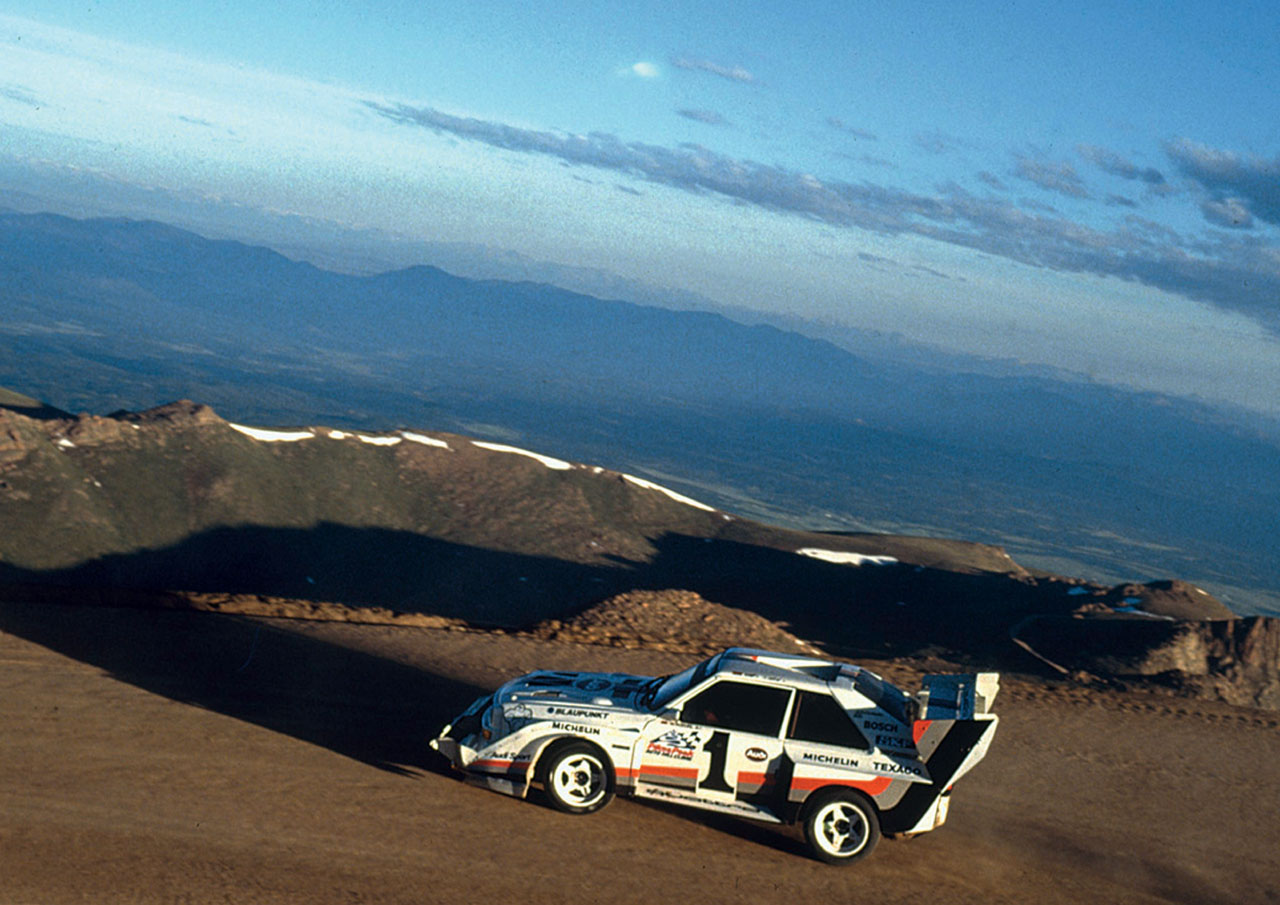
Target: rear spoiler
column 952, row 734
column 958, row 697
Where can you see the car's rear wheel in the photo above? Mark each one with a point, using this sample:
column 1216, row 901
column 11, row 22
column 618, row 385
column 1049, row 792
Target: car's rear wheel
column 578, row 778
column 841, row 826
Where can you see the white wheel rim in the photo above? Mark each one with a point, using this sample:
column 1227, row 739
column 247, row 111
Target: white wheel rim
column 842, row 829
column 579, row 780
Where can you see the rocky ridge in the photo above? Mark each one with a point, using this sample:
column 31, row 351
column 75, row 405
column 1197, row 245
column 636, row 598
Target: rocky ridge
column 437, row 530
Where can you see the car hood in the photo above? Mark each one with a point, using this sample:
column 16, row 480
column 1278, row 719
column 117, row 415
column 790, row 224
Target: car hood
column 565, row 689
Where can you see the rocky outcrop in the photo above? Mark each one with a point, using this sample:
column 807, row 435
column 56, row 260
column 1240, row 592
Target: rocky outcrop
column 1174, row 598
column 13, row 440
column 182, row 413
column 1166, row 599
column 1231, row 660
column 670, row 620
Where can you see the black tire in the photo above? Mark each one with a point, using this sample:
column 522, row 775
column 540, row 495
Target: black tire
column 577, row 777
column 840, row 826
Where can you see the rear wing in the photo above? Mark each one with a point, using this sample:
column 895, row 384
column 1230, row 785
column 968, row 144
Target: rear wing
column 952, row 734
column 958, row 697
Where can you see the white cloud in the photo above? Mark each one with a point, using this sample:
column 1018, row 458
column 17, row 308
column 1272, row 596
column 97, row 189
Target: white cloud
column 645, row 70
column 733, row 73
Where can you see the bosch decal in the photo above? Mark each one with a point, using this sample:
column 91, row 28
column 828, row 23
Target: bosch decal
column 877, row 726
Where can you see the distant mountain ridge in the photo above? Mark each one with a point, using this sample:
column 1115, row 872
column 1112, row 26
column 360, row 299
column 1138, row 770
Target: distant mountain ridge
column 103, row 314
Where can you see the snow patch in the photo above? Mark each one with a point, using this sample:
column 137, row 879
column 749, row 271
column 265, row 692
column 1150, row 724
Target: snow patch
column 679, row 498
column 1132, row 610
column 849, row 559
column 65, row 443
column 423, row 439
column 267, row 436
column 378, row 441
column 338, row 435
column 557, row 464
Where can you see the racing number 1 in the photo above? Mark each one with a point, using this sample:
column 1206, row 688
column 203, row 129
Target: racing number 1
column 718, row 748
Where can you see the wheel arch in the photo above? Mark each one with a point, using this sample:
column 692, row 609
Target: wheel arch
column 586, row 785
column 553, row 743
column 815, row 799
column 827, row 847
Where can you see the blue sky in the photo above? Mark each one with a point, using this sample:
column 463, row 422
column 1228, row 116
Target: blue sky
column 1094, row 187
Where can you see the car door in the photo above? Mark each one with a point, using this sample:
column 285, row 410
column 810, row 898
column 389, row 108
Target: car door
column 719, row 746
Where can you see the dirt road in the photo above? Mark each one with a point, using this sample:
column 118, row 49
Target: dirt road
column 173, row 757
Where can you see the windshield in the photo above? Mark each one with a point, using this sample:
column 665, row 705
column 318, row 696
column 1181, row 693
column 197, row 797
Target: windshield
column 667, row 688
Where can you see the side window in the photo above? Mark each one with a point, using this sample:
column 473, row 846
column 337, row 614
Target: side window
column 818, row 718
column 738, row 705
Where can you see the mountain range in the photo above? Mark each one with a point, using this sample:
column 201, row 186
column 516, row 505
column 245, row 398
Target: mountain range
column 759, row 421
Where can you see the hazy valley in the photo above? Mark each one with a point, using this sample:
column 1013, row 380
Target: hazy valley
column 1074, row 477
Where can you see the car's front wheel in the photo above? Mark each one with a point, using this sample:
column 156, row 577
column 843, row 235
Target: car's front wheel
column 841, row 826
column 578, row 778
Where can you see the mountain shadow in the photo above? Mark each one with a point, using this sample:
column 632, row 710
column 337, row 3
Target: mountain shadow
column 365, row 707
column 890, row 610
column 31, row 408
column 873, row 610
column 357, row 566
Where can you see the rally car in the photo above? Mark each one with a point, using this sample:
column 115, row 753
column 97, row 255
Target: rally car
column 775, row 737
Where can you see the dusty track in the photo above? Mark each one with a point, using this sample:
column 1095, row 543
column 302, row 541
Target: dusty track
column 176, row 757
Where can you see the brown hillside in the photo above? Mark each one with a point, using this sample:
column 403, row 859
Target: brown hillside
column 446, row 527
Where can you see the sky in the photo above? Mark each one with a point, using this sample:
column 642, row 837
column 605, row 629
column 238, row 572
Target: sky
column 1094, row 187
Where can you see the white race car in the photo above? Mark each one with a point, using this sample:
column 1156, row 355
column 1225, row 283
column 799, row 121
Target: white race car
column 767, row 736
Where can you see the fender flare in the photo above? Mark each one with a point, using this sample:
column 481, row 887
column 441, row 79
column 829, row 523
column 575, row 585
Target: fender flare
column 548, row 743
